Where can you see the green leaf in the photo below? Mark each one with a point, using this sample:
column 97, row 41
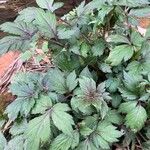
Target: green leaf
column 140, row 12
column 86, row 145
column 119, row 54
column 18, row 127
column 136, row 118
column 112, row 84
column 136, row 38
column 57, row 81
column 38, row 131
column 118, row 39
column 127, row 106
column 3, row 141
column 85, row 72
column 87, row 85
column 61, row 119
column 105, row 68
column 116, row 100
column 71, row 81
column 46, row 23
column 24, row 35
column 49, row 4
column 136, row 115
column 113, row 116
column 65, row 142
column 19, row 105
column 105, row 134
column 98, row 48
column 64, row 33
column 84, row 49
column 131, row 3
column 42, row 104
column 16, row 143
column 27, row 15
column 136, row 67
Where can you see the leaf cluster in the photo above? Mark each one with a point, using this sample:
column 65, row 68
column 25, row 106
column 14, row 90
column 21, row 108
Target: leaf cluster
column 98, row 92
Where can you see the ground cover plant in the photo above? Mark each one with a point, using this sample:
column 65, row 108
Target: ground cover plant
column 97, row 95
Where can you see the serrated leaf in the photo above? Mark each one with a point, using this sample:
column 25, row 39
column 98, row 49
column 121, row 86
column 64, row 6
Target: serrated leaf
column 131, row 3
column 57, row 81
column 25, row 34
column 127, row 106
column 136, row 67
column 38, row 130
column 104, row 135
column 116, row 100
column 46, row 23
column 118, row 39
column 49, row 4
column 136, row 118
column 71, row 81
column 112, row 136
column 140, row 12
column 105, row 67
column 85, row 72
column 42, row 104
column 113, row 116
column 87, row 85
column 3, row 141
column 86, row 145
column 27, row 15
column 18, row 127
column 112, row 84
column 119, row 54
column 61, row 119
column 65, row 142
column 64, row 33
column 98, row 48
column 22, row 106
column 16, row 143
column 136, row 38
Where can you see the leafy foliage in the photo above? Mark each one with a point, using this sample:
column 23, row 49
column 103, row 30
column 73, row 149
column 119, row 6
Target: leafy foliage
column 98, row 92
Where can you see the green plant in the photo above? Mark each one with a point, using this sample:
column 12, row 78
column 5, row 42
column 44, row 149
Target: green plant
column 97, row 94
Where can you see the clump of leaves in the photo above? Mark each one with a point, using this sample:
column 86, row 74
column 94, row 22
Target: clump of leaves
column 98, row 92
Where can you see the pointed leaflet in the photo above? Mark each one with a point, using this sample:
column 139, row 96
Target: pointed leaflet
column 19, row 28
column 27, row 15
column 119, row 54
column 86, row 145
column 136, row 115
column 118, row 39
column 38, row 131
column 136, row 118
column 106, row 134
column 16, row 143
column 85, row 72
column 71, row 81
column 65, row 142
column 98, row 48
column 87, row 85
column 136, row 67
column 3, row 141
column 25, row 34
column 127, row 106
column 49, row 4
column 61, row 119
column 43, row 103
column 19, row 105
column 113, row 116
column 46, row 23
column 57, row 81
column 18, row 127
